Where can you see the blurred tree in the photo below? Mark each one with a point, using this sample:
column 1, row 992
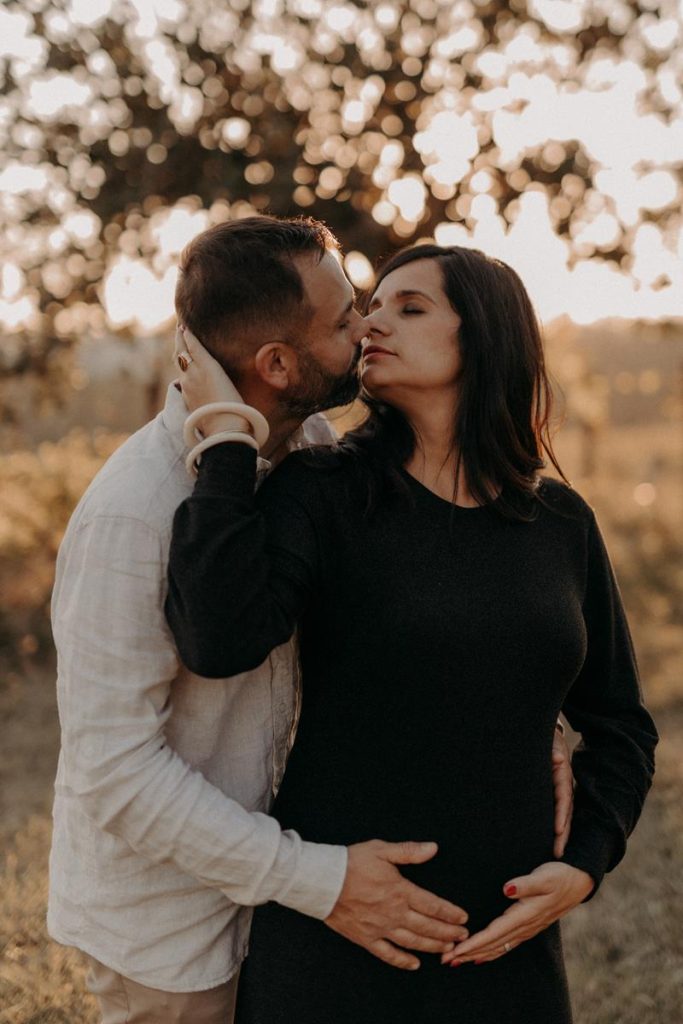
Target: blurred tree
column 128, row 125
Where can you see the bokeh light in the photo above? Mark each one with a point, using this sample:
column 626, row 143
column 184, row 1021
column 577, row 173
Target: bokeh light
column 549, row 134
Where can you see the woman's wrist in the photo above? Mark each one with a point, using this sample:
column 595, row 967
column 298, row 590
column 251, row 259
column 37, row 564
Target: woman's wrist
column 219, row 422
column 225, row 416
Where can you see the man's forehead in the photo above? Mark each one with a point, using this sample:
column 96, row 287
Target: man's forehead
column 327, row 287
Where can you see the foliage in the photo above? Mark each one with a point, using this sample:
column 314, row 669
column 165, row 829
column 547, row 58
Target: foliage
column 39, row 491
column 388, row 120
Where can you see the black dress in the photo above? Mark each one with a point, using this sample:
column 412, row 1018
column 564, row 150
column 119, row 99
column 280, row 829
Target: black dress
column 438, row 646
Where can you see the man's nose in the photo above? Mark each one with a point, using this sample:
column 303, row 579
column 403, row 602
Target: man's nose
column 360, row 330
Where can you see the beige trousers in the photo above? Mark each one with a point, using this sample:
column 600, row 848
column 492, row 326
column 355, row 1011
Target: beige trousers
column 123, row 1001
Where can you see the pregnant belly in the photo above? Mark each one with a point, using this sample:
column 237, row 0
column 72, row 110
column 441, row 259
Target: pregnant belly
column 491, row 823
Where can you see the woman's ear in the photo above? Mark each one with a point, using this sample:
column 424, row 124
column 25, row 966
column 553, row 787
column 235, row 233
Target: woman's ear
column 275, row 363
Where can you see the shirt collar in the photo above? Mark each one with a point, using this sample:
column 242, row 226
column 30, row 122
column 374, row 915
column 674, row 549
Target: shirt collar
column 173, row 416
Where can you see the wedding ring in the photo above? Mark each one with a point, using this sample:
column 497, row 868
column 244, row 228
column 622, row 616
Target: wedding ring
column 184, row 360
column 507, row 947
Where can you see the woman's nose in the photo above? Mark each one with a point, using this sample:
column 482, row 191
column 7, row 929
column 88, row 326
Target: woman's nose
column 374, row 325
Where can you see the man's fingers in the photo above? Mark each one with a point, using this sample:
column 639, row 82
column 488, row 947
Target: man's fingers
column 426, row 903
column 414, row 940
column 392, row 955
column 409, row 853
column 562, row 838
column 564, row 794
column 432, row 928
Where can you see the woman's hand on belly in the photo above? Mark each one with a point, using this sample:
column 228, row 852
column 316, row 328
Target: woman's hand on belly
column 541, row 898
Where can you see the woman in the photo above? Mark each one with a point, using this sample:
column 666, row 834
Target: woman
column 451, row 603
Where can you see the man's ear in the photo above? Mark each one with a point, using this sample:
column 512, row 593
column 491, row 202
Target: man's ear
column 276, row 365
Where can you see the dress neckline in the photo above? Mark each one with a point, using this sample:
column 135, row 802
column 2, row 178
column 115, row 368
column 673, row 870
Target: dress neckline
column 431, row 497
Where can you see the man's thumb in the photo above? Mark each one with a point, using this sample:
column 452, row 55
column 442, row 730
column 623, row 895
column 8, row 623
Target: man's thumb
column 410, row 853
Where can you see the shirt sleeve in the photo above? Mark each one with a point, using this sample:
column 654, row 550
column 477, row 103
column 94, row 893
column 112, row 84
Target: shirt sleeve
column 241, row 576
column 613, row 764
column 116, row 664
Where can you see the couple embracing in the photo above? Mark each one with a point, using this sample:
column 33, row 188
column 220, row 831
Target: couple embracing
column 417, row 596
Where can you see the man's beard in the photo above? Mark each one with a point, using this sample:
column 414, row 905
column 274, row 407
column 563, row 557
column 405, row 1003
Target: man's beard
column 319, row 389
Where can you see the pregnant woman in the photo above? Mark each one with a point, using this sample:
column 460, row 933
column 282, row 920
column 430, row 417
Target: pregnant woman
column 450, row 602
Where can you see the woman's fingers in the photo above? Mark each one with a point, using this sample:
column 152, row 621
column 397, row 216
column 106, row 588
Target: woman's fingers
column 179, row 344
column 192, row 343
column 510, row 939
column 202, row 378
column 497, row 932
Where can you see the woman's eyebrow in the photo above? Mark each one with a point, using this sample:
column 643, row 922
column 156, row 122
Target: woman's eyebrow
column 404, row 294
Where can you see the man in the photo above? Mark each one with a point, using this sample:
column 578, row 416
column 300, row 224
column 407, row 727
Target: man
column 161, row 841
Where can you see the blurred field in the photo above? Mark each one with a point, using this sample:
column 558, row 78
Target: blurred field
column 624, row 949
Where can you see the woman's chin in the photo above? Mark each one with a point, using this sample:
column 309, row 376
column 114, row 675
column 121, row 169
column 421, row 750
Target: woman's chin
column 372, row 380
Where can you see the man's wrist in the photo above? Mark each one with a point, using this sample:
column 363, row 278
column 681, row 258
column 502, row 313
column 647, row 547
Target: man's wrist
column 319, row 879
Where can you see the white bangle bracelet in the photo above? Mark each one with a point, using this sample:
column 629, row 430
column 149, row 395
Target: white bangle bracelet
column 256, row 420
column 191, row 461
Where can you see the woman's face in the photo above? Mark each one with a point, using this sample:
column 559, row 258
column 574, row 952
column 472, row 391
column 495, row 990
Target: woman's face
column 411, row 345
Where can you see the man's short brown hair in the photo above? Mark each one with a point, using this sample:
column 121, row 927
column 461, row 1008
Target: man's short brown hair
column 238, row 285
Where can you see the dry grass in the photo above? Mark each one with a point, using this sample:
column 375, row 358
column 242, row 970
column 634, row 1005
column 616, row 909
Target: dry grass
column 624, row 949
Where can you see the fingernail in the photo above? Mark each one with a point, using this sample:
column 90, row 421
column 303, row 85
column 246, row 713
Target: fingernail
column 510, row 890
column 480, row 961
column 455, row 963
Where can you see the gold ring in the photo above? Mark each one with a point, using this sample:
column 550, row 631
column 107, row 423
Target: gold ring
column 184, row 360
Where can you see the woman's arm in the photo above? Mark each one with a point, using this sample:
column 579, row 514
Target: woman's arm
column 239, row 578
column 613, row 767
column 614, row 763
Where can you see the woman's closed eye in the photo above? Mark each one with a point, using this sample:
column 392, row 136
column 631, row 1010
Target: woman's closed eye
column 412, row 309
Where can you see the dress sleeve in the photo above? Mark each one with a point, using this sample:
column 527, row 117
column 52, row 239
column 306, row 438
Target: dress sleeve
column 240, row 576
column 614, row 762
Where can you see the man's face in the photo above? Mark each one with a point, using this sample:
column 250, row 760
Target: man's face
column 329, row 354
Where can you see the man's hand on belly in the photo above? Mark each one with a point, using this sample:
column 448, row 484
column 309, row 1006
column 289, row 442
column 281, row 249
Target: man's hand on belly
column 381, row 910
column 541, row 898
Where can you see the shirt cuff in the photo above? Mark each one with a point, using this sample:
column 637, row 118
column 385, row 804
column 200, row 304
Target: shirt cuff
column 317, row 880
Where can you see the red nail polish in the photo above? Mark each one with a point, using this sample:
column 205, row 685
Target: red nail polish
column 480, row 961
column 455, row 963
column 510, row 890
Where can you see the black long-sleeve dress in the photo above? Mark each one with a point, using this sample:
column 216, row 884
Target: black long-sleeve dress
column 438, row 646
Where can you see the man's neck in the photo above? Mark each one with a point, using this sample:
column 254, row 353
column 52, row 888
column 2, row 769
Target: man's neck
column 282, row 424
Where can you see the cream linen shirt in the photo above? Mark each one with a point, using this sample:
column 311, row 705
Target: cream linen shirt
column 161, row 839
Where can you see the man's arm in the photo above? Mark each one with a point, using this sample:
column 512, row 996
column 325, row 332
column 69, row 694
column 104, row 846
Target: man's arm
column 116, row 663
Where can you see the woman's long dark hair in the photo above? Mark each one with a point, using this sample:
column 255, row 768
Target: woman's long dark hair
column 501, row 427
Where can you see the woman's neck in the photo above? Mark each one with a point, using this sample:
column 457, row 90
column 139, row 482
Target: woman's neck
column 435, row 457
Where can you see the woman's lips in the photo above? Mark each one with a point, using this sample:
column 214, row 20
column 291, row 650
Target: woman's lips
column 374, row 351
